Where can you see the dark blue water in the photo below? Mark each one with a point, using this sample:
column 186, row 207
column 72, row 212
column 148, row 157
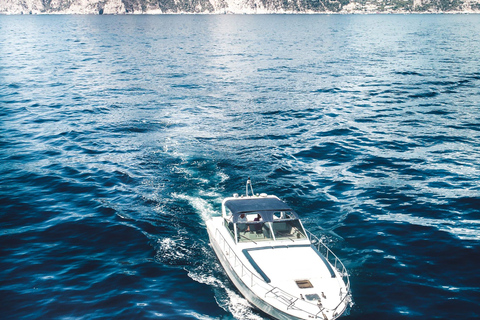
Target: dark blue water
column 120, row 135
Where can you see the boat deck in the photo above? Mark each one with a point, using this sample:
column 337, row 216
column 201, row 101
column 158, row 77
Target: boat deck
column 298, row 269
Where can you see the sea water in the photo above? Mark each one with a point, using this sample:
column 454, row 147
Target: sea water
column 120, row 136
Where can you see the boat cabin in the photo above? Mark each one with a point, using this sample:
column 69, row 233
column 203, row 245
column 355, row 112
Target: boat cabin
column 261, row 218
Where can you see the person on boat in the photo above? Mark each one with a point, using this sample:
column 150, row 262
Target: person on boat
column 242, row 223
column 258, row 225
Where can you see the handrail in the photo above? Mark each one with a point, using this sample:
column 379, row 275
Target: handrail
column 329, row 253
column 282, row 296
column 258, row 281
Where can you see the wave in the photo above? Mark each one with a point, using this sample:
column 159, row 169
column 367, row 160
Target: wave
column 462, row 229
column 202, row 206
column 227, row 298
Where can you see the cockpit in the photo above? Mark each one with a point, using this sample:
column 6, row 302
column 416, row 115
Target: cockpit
column 248, row 225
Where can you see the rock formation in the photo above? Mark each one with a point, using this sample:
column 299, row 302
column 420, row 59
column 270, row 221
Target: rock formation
column 234, row 6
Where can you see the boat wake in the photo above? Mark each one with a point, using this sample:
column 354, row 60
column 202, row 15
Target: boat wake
column 226, row 297
column 173, row 251
column 210, row 272
column 199, row 261
column 202, row 206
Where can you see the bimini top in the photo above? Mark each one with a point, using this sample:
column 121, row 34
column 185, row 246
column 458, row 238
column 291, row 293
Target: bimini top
column 265, row 206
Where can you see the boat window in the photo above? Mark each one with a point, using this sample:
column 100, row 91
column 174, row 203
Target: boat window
column 253, row 229
column 283, row 215
column 229, row 226
column 228, row 213
column 289, row 215
column 312, row 297
column 288, row 229
column 304, row 284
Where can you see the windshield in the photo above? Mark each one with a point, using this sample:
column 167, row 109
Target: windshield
column 250, row 227
column 288, row 229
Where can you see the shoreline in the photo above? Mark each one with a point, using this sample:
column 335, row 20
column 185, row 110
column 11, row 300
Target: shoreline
column 222, row 7
column 149, row 13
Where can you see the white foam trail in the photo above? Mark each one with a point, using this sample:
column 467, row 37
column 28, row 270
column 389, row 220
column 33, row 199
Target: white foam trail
column 200, row 205
column 198, row 316
column 238, row 306
column 227, row 298
column 223, row 176
column 172, row 251
column 206, row 279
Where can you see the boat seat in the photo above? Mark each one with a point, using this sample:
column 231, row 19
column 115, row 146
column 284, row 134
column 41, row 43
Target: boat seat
column 242, row 227
column 266, row 232
column 282, row 227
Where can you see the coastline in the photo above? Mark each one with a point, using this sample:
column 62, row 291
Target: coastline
column 220, row 7
column 152, row 13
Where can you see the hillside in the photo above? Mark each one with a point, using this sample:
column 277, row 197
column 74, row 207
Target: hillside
column 234, row 6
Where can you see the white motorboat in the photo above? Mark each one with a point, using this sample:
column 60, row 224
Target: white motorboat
column 277, row 266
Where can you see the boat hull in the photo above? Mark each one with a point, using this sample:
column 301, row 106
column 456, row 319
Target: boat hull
column 242, row 287
column 277, row 265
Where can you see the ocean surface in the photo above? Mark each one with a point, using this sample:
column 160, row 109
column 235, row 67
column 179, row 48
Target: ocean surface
column 120, row 136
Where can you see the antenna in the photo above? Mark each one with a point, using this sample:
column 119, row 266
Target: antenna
column 249, row 182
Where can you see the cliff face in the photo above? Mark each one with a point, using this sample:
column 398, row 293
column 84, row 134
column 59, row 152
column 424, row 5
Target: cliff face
column 233, row 6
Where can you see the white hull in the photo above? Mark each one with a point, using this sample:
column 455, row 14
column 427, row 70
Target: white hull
column 270, row 295
column 244, row 289
column 272, row 260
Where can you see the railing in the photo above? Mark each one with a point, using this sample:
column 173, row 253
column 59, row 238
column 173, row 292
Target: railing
column 235, row 262
column 335, row 262
column 285, row 298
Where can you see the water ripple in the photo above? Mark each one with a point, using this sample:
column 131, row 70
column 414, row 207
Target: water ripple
column 120, row 136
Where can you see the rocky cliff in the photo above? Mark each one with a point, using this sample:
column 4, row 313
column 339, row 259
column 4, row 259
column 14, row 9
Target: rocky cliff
column 234, row 6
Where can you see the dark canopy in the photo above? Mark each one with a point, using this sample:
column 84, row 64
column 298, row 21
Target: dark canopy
column 266, row 207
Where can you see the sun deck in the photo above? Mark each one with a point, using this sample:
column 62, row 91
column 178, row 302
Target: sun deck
column 298, row 269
